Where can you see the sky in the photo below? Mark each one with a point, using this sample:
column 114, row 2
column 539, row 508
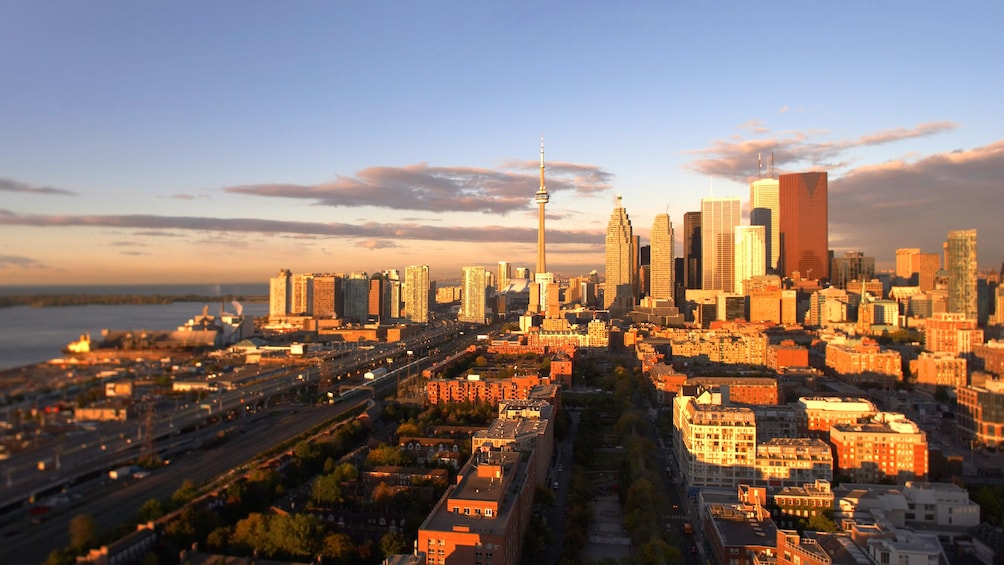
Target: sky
column 218, row 142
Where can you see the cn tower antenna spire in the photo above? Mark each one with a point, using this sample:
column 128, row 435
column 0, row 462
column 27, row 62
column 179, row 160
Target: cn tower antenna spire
column 541, row 198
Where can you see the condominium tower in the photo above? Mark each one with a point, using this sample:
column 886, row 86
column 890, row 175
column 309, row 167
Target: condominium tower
column 416, row 293
column 473, row 302
column 765, row 211
column 719, row 218
column 661, row 259
column 619, row 284
column 803, row 227
column 279, row 293
column 960, row 262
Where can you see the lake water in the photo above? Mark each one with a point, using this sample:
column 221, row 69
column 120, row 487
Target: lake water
column 30, row 335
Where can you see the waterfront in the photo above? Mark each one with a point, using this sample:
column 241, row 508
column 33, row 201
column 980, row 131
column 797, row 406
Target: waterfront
column 32, row 335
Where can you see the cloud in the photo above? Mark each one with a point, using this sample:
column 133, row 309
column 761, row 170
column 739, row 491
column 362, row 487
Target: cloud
column 377, row 244
column 442, row 189
column 736, row 158
column 879, row 208
column 17, row 262
column 258, row 226
column 9, row 185
column 184, row 196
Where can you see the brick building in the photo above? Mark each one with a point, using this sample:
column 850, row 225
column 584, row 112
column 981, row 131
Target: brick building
column 951, row 333
column 817, row 414
column 864, row 362
column 888, row 447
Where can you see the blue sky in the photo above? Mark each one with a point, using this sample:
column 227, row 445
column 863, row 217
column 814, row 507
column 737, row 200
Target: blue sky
column 221, row 141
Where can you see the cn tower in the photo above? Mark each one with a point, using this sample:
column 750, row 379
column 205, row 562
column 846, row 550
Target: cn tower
column 541, row 197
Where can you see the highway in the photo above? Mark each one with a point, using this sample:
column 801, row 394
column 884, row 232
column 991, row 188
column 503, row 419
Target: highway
column 75, row 479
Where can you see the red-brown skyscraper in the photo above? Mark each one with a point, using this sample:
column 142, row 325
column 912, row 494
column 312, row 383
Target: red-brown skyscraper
column 804, row 225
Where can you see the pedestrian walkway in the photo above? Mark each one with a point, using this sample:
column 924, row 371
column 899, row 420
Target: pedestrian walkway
column 607, row 538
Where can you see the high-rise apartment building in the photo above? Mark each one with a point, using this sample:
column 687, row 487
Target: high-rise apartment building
column 661, row 259
column 749, row 262
column 356, row 298
column 302, row 300
column 473, row 302
column 377, row 300
column 719, row 218
column 416, row 293
column 962, row 267
column 327, row 296
column 620, row 262
column 279, row 293
column 804, row 225
column 393, row 294
column 765, row 211
column 692, row 273
column 505, row 274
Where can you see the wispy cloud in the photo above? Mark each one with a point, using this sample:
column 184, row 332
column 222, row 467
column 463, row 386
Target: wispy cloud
column 735, row 158
column 186, row 196
column 10, row 185
column 17, row 262
column 258, row 226
column 442, row 189
column 377, row 244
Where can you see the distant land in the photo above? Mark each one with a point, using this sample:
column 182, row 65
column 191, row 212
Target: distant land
column 79, row 295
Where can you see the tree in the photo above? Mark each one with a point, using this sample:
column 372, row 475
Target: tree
column 338, row 547
column 327, row 490
column 392, row 543
column 83, row 532
column 151, row 510
column 385, row 454
column 823, row 521
column 185, row 494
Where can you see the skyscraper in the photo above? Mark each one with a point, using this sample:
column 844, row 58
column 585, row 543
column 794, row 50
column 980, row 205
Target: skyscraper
column 416, row 291
column 619, row 283
column 750, row 249
column 473, row 301
column 279, row 293
column 301, row 302
column 719, row 218
column 505, row 274
column 765, row 211
column 804, row 225
column 962, row 267
column 327, row 296
column 356, row 298
column 692, row 271
column 661, row 259
column 377, row 301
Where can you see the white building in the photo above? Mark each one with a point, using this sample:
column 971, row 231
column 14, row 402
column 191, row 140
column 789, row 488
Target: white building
column 749, row 261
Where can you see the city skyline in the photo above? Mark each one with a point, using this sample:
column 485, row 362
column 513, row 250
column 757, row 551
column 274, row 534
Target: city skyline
column 191, row 144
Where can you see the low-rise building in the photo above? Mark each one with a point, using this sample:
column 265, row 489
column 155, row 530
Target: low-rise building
column 981, row 413
column 483, row 518
column 940, row 369
column 817, row 414
column 864, row 361
column 794, row 506
column 888, row 447
column 786, row 462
